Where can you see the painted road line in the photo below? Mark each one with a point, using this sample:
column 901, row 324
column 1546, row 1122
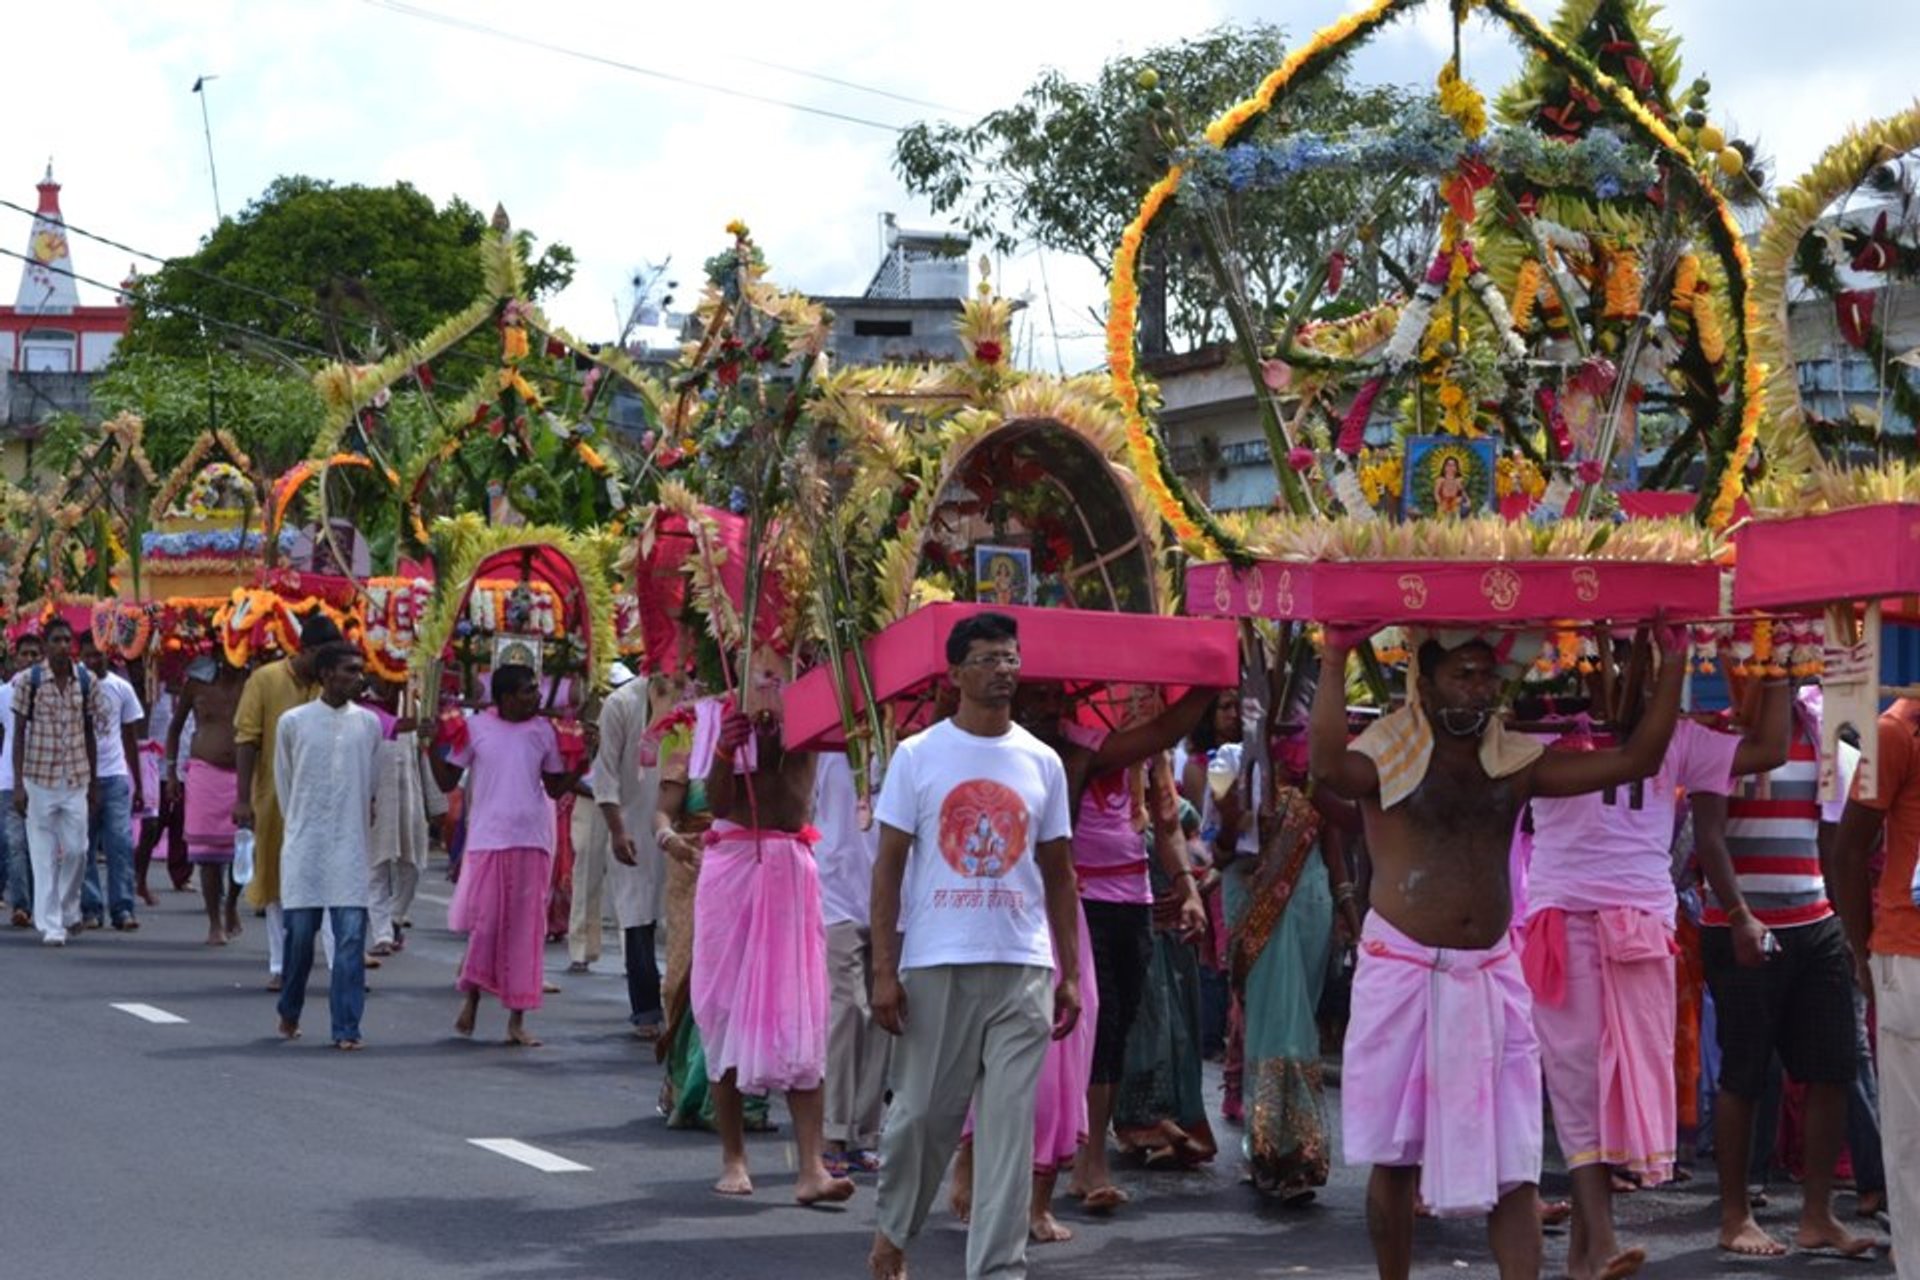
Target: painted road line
column 148, row 1013
column 544, row 1161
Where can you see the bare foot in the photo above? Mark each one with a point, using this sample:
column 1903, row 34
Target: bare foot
column 1749, row 1241
column 289, row 1030
column 734, row 1181
column 274, row 982
column 216, row 937
column 886, row 1260
column 822, row 1188
column 549, row 988
column 233, row 922
column 469, row 1012
column 1105, row 1199
column 146, row 896
column 1623, row 1264
column 1825, row 1234
column 522, row 1037
column 348, row 1046
column 1047, row 1229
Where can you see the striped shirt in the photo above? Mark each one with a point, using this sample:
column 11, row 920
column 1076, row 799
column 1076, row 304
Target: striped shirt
column 1773, row 835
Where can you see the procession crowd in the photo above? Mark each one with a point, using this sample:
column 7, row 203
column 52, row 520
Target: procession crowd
column 1013, row 960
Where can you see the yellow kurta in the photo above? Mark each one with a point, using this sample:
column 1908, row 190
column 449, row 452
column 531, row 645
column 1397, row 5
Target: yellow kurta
column 271, row 692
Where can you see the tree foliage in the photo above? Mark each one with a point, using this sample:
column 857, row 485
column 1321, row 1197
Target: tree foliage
column 349, row 271
column 1066, row 165
column 273, row 413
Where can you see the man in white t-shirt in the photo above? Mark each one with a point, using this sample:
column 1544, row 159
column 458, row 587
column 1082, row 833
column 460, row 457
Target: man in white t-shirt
column 18, row 867
column 973, row 871
column 119, row 717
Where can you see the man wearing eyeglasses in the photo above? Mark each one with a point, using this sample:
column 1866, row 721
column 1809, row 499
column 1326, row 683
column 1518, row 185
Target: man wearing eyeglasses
column 973, row 897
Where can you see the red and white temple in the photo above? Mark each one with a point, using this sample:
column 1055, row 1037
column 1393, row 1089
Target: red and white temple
column 47, row 329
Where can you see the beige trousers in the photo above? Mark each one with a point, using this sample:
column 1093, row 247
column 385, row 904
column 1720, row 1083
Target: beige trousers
column 857, row 1050
column 984, row 1025
column 1896, row 995
column 592, row 847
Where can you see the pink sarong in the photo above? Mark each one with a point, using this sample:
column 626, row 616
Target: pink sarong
column 1604, row 1007
column 501, row 905
column 1441, row 1069
column 210, row 793
column 759, row 981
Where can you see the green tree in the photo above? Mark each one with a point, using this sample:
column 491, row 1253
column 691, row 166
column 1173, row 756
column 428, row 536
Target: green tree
column 272, row 411
column 1065, row 168
column 351, row 271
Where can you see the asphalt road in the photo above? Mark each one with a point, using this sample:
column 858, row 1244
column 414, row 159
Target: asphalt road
column 207, row 1148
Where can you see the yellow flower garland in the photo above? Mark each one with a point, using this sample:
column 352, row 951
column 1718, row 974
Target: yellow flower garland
column 1795, row 213
column 1124, row 295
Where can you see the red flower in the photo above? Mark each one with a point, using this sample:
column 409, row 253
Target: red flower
column 1300, row 459
column 728, row 374
column 1590, row 471
column 988, row 352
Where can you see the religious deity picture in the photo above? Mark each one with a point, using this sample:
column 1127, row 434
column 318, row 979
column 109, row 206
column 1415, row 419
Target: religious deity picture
column 1448, row 476
column 517, row 651
column 1002, row 575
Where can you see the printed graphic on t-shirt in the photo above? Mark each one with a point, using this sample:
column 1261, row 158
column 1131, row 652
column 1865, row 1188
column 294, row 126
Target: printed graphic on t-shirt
column 983, row 829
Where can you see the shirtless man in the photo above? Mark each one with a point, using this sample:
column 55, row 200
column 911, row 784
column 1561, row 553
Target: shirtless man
column 1441, row 785
column 759, row 980
column 210, row 695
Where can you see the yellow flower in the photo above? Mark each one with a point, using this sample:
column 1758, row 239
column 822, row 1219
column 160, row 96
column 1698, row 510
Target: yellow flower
column 737, row 229
column 1451, row 396
column 1461, row 102
column 513, row 344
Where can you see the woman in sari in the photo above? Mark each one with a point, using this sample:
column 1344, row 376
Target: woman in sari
column 1160, row 1113
column 1281, row 908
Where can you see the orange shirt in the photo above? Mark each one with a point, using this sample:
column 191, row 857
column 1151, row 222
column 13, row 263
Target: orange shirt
column 1896, row 922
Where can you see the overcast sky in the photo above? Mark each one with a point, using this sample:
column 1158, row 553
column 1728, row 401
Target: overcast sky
column 628, row 168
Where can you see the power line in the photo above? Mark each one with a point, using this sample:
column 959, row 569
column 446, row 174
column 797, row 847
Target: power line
column 480, row 28
column 855, row 85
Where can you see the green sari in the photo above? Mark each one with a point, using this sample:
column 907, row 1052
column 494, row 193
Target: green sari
column 1282, row 926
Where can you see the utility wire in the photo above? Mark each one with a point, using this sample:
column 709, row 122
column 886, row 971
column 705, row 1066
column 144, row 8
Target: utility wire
column 481, row 28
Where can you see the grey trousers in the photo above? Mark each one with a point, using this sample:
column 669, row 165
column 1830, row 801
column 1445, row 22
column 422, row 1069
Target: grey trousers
column 981, row 1027
column 857, row 1050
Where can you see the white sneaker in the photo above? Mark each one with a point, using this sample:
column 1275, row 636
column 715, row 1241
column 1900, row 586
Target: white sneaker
column 53, row 940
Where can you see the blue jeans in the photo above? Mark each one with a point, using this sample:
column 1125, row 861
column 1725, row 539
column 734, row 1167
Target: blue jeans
column 111, row 833
column 347, row 985
column 14, row 858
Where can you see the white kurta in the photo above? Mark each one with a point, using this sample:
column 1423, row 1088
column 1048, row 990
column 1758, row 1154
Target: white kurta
column 399, row 808
column 323, row 773
column 638, row 892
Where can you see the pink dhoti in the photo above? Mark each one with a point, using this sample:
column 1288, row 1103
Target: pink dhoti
column 1441, row 1069
column 759, row 982
column 501, row 905
column 1604, row 1007
column 208, row 822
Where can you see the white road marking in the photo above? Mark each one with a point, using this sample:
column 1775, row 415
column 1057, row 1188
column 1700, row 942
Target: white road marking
column 544, row 1161
column 148, row 1013
column 435, row 898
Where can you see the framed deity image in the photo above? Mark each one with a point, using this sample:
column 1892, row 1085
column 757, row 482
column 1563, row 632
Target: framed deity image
column 1448, row 477
column 1002, row 575
column 517, row 651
